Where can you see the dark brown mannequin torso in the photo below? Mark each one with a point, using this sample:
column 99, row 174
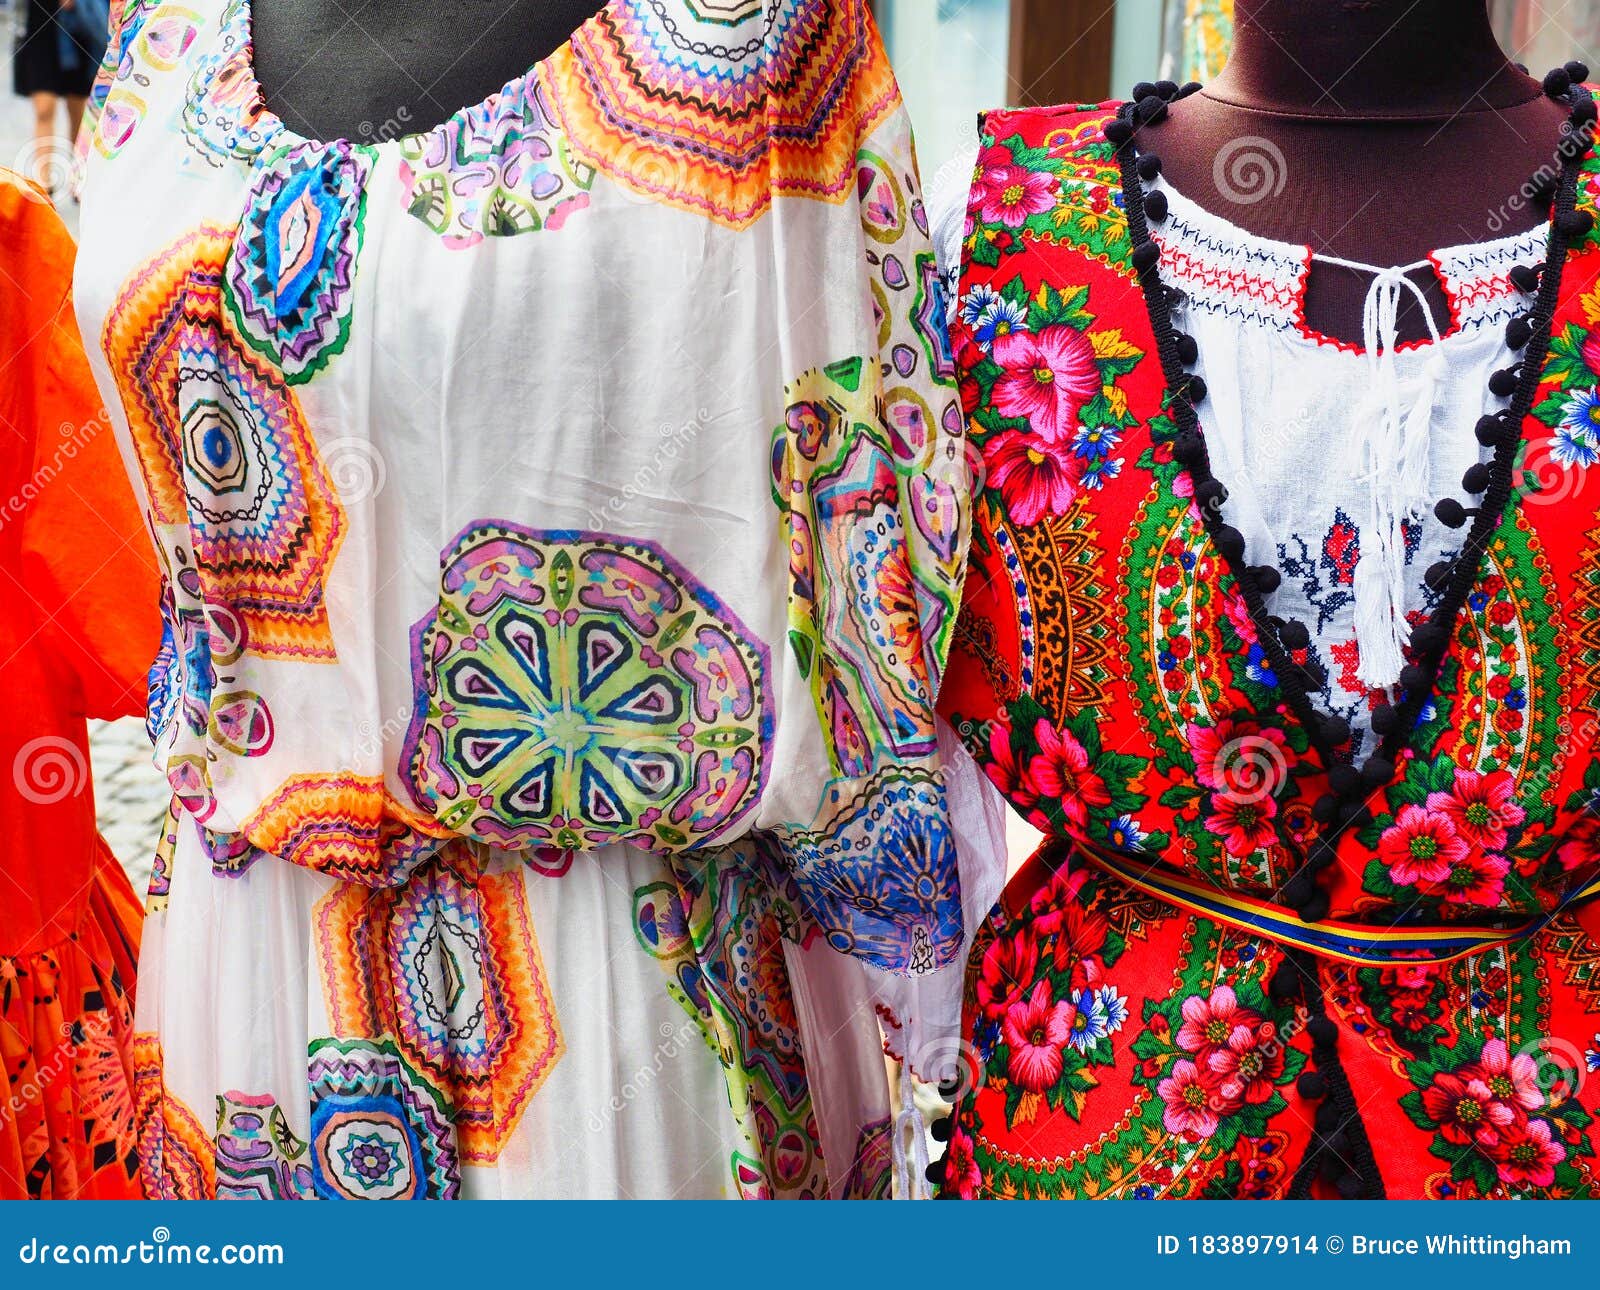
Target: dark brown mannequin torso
column 1321, row 82
column 365, row 68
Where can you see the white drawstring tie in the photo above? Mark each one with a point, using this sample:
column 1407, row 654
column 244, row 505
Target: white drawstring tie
column 909, row 1145
column 1391, row 458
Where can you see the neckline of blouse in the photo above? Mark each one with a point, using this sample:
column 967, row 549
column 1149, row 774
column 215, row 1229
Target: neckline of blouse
column 1222, row 266
column 254, row 129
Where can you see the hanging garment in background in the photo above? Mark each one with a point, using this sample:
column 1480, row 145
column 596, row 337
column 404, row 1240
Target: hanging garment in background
column 80, row 627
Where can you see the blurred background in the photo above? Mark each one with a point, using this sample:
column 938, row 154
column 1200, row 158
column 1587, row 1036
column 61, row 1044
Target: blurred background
column 954, row 59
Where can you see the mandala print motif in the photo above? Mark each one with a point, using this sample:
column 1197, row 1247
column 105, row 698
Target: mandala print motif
column 346, row 826
column 578, row 690
column 715, row 106
column 447, row 970
column 291, row 275
column 379, row 1131
column 495, row 170
column 225, row 452
column 176, row 1156
column 719, row 932
column 855, row 616
column 259, row 1157
column 878, row 871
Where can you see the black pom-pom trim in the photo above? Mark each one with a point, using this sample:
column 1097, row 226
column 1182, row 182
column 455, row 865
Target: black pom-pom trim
column 1491, row 431
column 1344, row 779
column 1312, row 1085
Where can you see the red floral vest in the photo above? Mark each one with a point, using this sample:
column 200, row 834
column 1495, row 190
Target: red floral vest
column 1108, row 673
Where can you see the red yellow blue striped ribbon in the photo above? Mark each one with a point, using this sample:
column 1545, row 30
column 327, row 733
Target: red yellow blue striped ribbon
column 1358, row 943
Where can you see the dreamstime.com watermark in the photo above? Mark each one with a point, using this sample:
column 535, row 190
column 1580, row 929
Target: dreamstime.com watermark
column 160, row 1250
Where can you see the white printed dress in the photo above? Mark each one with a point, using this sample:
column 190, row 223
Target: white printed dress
column 562, row 514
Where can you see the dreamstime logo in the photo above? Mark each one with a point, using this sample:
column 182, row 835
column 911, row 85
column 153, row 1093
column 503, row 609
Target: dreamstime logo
column 1544, row 479
column 650, row 173
column 357, row 469
column 48, row 162
column 977, row 467
column 676, row 1038
column 385, row 131
column 49, row 769
column 1249, row 169
column 1250, row 769
column 1559, row 1068
column 951, row 1063
column 30, row 1090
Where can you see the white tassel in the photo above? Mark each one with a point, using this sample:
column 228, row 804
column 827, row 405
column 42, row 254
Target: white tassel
column 1391, row 456
column 909, row 1144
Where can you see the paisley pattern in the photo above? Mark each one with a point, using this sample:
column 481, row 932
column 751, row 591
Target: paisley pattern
column 289, row 283
column 578, row 689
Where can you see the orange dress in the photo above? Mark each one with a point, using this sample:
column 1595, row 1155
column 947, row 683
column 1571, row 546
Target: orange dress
column 78, row 627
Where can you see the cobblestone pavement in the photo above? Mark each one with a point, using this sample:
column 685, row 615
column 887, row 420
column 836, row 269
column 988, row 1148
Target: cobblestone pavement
column 129, row 793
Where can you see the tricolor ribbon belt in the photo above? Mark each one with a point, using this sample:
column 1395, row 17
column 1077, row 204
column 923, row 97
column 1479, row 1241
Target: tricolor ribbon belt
column 1359, row 943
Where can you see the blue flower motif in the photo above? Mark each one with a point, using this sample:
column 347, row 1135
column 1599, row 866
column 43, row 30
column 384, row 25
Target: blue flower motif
column 1583, row 413
column 1090, row 1023
column 1125, row 832
column 975, row 302
column 1591, row 1058
column 1575, row 446
column 1114, row 1006
column 1100, row 472
column 1258, row 668
column 1001, row 318
column 1094, row 442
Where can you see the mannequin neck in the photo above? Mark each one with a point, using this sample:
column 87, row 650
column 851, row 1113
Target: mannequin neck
column 1368, row 59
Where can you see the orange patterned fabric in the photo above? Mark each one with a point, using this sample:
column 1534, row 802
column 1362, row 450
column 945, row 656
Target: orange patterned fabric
column 78, row 631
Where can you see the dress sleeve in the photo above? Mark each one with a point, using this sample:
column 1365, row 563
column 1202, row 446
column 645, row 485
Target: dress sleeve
column 871, row 482
column 87, row 565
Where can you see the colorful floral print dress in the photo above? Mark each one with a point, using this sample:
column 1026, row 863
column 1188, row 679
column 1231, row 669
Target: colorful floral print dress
column 562, row 514
column 79, row 629
column 1159, row 1007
